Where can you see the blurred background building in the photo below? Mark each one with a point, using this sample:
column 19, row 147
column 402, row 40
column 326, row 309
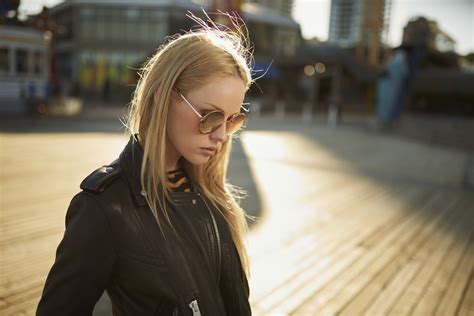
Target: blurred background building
column 442, row 83
column 285, row 7
column 24, row 71
column 352, row 19
column 99, row 45
column 24, row 66
column 92, row 50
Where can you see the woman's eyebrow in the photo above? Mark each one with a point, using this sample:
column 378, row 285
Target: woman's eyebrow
column 215, row 107
column 218, row 108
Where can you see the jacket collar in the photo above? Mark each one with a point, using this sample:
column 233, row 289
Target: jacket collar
column 130, row 161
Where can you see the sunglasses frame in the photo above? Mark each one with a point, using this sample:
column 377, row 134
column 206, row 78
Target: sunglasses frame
column 202, row 118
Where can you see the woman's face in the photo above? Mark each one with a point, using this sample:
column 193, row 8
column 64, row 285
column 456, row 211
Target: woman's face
column 184, row 139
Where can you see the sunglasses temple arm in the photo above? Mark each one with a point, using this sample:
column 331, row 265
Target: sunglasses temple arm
column 189, row 104
column 244, row 108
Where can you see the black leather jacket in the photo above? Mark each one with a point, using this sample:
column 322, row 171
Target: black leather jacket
column 112, row 242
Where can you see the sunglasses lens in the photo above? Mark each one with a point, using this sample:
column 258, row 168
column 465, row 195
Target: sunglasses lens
column 235, row 123
column 211, row 121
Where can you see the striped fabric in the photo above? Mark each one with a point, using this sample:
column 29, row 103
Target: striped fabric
column 178, row 181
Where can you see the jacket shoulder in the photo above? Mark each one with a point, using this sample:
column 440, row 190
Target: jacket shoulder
column 101, row 178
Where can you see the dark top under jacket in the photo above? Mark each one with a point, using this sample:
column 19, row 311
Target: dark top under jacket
column 112, row 242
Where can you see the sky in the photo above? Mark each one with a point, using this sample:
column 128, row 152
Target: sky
column 455, row 17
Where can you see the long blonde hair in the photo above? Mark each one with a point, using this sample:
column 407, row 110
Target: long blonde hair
column 185, row 63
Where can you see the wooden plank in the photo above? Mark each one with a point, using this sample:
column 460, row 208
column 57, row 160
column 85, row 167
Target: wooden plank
column 466, row 307
column 31, row 227
column 331, row 205
column 49, row 206
column 295, row 261
column 290, row 271
column 291, row 253
column 360, row 274
column 20, row 239
column 318, row 243
column 330, row 290
column 39, row 265
column 389, row 294
column 305, row 304
column 322, row 211
column 437, row 286
column 322, row 228
column 453, row 295
column 26, row 265
column 24, row 303
column 438, row 244
column 405, row 304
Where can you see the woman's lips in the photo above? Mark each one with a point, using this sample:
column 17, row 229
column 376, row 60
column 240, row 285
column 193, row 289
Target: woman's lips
column 209, row 150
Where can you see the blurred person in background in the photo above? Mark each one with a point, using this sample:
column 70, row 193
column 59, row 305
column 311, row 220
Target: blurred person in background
column 159, row 228
column 393, row 86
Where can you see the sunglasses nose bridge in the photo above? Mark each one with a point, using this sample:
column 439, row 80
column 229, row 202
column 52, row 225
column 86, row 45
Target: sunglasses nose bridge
column 219, row 132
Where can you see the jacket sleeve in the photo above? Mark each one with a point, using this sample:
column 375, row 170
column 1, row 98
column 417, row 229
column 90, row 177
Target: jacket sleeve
column 234, row 284
column 245, row 289
column 84, row 261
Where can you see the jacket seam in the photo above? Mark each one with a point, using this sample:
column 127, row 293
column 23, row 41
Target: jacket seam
column 114, row 243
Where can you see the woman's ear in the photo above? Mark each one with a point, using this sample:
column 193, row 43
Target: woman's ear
column 174, row 97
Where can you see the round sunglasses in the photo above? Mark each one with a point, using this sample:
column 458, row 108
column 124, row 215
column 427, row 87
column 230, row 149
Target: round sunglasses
column 211, row 121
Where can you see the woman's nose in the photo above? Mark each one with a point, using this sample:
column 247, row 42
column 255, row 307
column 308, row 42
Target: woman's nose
column 219, row 134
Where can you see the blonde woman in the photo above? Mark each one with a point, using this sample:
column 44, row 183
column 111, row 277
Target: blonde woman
column 159, row 228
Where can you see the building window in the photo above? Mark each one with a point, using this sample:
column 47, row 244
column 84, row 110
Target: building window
column 115, row 31
column 158, row 15
column 102, row 28
column 133, row 14
column 4, row 59
column 131, row 31
column 21, row 61
column 87, row 13
column 143, row 30
column 38, row 62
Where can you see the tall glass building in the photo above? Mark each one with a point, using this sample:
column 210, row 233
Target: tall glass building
column 351, row 20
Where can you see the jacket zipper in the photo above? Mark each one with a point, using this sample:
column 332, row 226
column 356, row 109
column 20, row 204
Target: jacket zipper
column 175, row 311
column 216, row 229
column 195, row 307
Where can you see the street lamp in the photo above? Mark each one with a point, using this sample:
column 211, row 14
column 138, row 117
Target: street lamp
column 310, row 82
column 320, row 68
column 309, row 70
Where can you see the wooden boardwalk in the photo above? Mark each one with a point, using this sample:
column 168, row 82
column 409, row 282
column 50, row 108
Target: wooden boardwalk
column 351, row 223
column 39, row 175
column 349, row 238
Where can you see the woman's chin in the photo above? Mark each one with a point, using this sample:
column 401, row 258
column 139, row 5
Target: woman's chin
column 197, row 160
